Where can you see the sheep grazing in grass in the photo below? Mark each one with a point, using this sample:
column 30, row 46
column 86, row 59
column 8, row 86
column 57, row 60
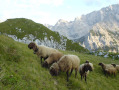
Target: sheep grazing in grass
column 84, row 69
column 66, row 63
column 108, row 69
column 54, row 57
column 41, row 51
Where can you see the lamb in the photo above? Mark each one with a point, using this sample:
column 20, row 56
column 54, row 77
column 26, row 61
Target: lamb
column 66, row 63
column 54, row 57
column 84, row 69
column 41, row 51
column 108, row 69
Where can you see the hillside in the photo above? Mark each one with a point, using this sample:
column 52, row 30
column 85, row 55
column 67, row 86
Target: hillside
column 104, row 22
column 25, row 30
column 20, row 69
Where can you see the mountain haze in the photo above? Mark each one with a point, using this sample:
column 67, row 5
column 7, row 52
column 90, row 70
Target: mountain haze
column 96, row 30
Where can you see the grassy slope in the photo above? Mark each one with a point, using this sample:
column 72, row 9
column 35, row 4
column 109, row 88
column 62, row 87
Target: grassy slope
column 12, row 26
column 21, row 70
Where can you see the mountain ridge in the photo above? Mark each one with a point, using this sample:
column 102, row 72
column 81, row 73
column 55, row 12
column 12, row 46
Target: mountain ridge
column 105, row 19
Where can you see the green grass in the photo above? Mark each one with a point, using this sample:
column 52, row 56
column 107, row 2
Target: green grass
column 22, row 27
column 20, row 69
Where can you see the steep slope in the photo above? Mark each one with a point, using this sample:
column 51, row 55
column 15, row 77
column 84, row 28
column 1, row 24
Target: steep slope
column 20, row 69
column 105, row 20
column 25, row 30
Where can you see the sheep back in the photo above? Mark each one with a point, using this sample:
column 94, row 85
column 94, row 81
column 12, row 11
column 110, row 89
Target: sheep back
column 111, row 70
column 45, row 51
column 54, row 57
column 117, row 67
column 68, row 62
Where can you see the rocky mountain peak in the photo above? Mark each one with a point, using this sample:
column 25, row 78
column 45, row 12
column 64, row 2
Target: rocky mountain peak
column 61, row 21
column 104, row 21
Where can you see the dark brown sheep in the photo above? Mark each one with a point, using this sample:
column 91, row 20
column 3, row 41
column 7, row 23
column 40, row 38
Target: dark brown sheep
column 84, row 69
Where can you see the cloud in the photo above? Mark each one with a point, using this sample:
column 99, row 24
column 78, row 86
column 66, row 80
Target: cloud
column 100, row 2
column 31, row 9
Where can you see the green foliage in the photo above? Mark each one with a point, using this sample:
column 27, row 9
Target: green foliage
column 22, row 27
column 28, row 74
column 114, row 55
column 72, row 46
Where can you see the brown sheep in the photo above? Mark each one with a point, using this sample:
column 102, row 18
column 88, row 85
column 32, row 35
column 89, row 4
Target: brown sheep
column 84, row 69
column 54, row 57
column 108, row 69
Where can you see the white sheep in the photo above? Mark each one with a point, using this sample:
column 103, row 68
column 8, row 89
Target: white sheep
column 41, row 50
column 66, row 63
column 54, row 57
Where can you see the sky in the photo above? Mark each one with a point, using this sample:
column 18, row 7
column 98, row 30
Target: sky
column 50, row 11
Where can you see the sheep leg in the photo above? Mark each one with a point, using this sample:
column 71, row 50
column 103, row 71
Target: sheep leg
column 114, row 74
column 75, row 73
column 67, row 75
column 71, row 72
column 45, row 58
column 41, row 59
column 81, row 77
column 85, row 78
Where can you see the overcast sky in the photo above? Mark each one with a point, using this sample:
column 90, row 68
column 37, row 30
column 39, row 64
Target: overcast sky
column 50, row 11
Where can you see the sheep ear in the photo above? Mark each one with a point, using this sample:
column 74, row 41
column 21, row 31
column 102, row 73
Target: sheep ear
column 87, row 61
column 100, row 64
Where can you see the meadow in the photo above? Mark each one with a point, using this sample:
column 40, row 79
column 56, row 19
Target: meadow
column 20, row 69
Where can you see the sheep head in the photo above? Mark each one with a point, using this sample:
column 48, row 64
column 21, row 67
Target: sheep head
column 54, row 69
column 114, row 65
column 87, row 67
column 87, row 61
column 101, row 64
column 31, row 45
